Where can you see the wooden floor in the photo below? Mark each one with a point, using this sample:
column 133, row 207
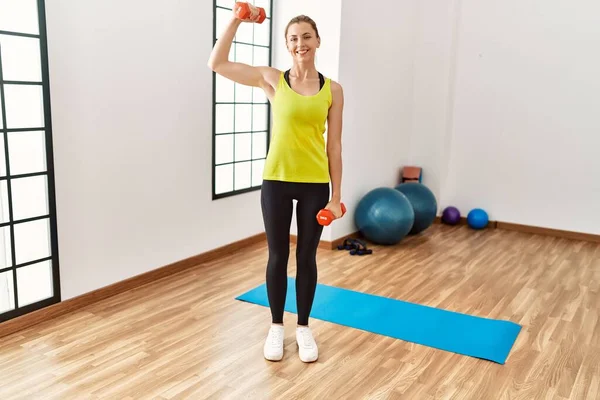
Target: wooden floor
column 185, row 337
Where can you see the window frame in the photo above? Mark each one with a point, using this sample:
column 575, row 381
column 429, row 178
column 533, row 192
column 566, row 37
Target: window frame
column 234, row 192
column 49, row 173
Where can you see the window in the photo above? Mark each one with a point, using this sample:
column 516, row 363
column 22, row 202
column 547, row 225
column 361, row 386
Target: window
column 241, row 123
column 29, row 278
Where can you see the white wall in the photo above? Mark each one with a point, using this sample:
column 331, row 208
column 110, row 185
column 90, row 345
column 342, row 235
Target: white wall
column 376, row 71
column 525, row 134
column 435, row 26
column 132, row 119
column 504, row 110
column 327, row 17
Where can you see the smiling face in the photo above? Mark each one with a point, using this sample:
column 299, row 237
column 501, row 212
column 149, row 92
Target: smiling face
column 302, row 39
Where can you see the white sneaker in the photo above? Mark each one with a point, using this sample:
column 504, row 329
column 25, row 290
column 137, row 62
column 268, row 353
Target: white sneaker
column 307, row 347
column 273, row 348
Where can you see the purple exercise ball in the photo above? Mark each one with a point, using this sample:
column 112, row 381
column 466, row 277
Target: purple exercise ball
column 451, row 216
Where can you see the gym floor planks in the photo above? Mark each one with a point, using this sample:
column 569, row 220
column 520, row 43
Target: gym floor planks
column 185, row 337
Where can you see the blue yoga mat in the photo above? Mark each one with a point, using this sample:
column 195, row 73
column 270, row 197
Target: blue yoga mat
column 478, row 337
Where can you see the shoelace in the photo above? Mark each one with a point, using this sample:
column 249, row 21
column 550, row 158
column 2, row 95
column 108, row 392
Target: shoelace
column 276, row 336
column 307, row 338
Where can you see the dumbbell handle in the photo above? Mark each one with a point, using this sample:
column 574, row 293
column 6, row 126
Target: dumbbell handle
column 326, row 217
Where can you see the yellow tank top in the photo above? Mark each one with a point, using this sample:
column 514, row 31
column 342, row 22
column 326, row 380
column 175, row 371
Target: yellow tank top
column 298, row 152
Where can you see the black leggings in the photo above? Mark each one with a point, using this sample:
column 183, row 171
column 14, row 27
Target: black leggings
column 277, row 209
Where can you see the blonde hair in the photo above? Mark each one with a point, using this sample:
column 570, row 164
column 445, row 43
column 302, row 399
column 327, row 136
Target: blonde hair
column 301, row 18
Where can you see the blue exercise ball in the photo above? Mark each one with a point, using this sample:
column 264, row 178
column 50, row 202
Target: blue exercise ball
column 477, row 218
column 423, row 203
column 384, row 216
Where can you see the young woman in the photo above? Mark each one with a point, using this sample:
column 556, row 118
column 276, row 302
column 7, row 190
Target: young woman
column 300, row 166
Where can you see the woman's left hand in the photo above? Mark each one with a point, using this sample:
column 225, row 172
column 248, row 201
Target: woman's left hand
column 335, row 207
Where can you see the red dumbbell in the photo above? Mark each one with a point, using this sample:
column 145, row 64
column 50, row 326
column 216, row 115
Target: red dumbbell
column 248, row 12
column 326, row 217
